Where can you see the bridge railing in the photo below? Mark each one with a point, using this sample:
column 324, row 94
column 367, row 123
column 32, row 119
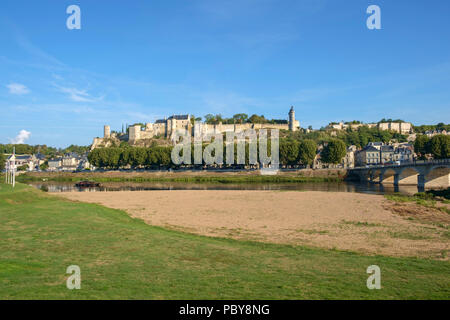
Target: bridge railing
column 405, row 164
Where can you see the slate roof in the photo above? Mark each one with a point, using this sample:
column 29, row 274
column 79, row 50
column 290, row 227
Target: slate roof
column 370, row 149
column 71, row 155
column 23, row 157
column 387, row 149
column 40, row 156
column 180, row 117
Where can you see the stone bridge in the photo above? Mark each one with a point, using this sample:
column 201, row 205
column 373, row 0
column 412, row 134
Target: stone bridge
column 423, row 173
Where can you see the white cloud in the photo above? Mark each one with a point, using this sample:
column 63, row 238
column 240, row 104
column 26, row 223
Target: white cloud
column 78, row 95
column 17, row 88
column 21, row 137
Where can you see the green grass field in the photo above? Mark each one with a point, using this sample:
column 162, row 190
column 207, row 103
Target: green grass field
column 419, row 199
column 123, row 258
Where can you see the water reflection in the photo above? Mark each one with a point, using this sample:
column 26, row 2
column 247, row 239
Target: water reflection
column 316, row 186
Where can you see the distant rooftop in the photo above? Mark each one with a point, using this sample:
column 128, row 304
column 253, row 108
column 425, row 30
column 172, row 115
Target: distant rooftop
column 370, row 149
column 180, row 117
column 21, row 157
column 175, row 116
column 387, row 148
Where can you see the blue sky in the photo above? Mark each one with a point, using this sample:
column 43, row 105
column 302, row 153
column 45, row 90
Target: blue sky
column 136, row 61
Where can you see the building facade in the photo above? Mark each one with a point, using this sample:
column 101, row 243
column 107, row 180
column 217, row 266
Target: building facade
column 386, row 154
column 349, row 159
column 369, row 155
column 400, row 127
column 376, row 153
column 69, row 162
column 54, row 164
column 30, row 161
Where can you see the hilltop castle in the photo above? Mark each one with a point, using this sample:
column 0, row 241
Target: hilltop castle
column 165, row 128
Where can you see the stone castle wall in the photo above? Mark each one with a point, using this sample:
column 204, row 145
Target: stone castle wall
column 166, row 128
column 403, row 127
column 400, row 127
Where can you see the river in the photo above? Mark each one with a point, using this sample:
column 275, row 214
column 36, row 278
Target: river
column 53, row 187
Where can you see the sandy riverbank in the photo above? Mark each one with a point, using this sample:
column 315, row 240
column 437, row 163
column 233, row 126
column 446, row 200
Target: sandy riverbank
column 348, row 221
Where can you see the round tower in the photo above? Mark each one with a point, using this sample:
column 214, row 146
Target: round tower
column 106, row 131
column 292, row 119
column 174, row 124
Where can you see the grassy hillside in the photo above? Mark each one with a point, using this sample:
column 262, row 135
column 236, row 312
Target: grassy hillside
column 123, row 258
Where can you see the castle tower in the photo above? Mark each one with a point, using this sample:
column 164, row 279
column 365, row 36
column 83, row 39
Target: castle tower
column 173, row 127
column 106, row 131
column 134, row 133
column 292, row 122
column 174, row 124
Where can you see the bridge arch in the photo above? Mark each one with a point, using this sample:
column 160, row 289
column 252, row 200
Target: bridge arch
column 374, row 175
column 437, row 176
column 389, row 176
column 407, row 176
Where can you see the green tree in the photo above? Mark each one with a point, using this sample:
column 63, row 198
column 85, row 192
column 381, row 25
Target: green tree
column 257, row 119
column 124, row 158
column 352, row 138
column 113, row 157
column 2, row 161
column 440, row 146
column 102, row 157
column 75, row 148
column 94, row 157
column 399, row 137
column 334, row 151
column 23, row 149
column 44, row 166
column 152, row 159
column 138, row 157
column 307, row 151
column 23, row 168
column 165, row 156
column 384, row 136
column 240, row 117
column 210, row 119
column 421, row 145
column 439, row 126
column 289, row 150
column 159, row 156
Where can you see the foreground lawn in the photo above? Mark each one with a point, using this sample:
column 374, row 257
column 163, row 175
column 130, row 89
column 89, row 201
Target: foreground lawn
column 123, row 258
